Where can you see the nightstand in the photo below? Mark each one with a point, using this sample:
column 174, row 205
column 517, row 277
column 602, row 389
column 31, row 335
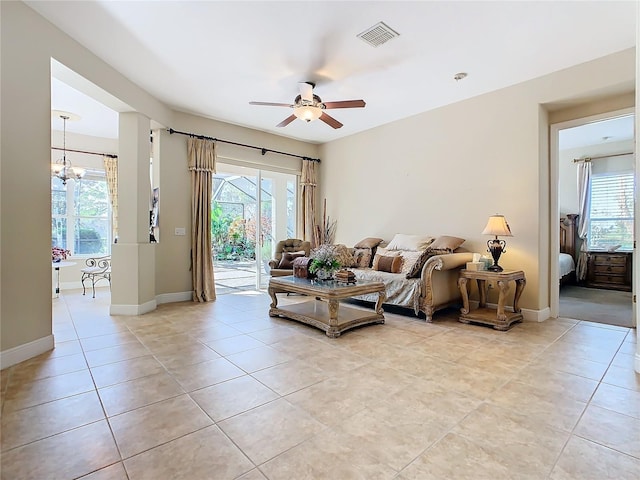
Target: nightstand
column 498, row 318
column 610, row 270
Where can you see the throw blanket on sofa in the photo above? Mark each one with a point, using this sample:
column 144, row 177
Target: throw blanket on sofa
column 401, row 291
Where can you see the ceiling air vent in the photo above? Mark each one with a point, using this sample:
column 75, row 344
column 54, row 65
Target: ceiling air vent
column 378, row 34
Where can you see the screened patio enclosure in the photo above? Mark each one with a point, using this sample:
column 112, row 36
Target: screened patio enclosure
column 250, row 211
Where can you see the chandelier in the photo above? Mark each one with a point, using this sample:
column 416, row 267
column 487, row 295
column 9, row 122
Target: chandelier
column 62, row 168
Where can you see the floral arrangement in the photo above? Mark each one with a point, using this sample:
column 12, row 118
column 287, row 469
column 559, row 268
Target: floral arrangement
column 58, row 254
column 325, row 257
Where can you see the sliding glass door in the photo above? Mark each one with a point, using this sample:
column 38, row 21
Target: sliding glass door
column 247, row 222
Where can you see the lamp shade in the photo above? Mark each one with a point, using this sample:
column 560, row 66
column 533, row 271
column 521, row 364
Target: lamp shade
column 308, row 113
column 498, row 226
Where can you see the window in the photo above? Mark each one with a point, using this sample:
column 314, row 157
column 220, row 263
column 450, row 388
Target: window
column 81, row 215
column 611, row 211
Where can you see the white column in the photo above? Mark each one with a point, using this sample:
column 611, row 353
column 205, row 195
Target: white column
column 133, row 257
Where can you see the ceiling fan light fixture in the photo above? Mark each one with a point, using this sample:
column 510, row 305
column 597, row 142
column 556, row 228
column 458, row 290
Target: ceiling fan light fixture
column 308, row 113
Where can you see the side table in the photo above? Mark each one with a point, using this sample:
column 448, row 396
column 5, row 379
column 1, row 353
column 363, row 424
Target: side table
column 499, row 319
column 57, row 266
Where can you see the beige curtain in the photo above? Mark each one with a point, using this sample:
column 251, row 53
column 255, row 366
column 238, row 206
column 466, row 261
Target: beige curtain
column 308, row 183
column 111, row 171
column 202, row 165
column 584, row 182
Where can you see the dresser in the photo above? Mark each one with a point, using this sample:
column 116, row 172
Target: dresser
column 609, row 270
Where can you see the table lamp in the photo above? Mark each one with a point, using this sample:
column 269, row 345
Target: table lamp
column 497, row 226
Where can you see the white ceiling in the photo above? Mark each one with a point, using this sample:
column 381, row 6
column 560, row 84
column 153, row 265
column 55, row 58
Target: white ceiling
column 612, row 130
column 211, row 58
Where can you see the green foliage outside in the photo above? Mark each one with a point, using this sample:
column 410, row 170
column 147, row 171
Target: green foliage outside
column 229, row 236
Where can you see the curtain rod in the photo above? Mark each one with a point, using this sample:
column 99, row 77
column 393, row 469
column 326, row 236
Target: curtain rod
column 111, row 155
column 588, row 159
column 262, row 149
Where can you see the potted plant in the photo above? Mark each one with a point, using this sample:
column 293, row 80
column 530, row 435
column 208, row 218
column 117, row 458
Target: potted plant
column 58, row 254
column 324, row 262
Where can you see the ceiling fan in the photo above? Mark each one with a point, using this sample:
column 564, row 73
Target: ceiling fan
column 308, row 107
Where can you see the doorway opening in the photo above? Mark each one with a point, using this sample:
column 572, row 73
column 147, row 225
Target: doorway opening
column 251, row 210
column 598, row 285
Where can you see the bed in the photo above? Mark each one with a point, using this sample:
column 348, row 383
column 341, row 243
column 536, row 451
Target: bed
column 568, row 249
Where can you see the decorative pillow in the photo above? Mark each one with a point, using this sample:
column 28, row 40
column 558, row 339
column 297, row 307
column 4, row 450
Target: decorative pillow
column 383, row 263
column 387, row 252
column 362, row 257
column 344, row 256
column 416, row 268
column 409, row 259
column 410, row 242
column 369, row 242
column 383, row 252
column 446, row 242
column 286, row 262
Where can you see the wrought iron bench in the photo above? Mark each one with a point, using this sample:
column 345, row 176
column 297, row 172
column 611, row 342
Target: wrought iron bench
column 98, row 268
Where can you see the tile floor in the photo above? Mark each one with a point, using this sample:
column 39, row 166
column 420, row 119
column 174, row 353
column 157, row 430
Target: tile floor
column 223, row 391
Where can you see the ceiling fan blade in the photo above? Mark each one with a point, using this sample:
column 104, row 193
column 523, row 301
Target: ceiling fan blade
column 332, row 122
column 306, row 91
column 270, row 104
column 345, row 104
column 286, row 121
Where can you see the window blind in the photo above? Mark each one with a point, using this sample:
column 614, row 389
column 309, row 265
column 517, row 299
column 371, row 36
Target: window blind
column 611, row 211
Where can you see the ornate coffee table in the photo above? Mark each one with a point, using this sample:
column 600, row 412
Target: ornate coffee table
column 325, row 315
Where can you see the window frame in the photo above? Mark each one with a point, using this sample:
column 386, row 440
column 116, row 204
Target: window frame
column 72, row 218
column 623, row 174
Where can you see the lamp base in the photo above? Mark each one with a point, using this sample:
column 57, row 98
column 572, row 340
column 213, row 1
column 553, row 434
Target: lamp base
column 496, row 247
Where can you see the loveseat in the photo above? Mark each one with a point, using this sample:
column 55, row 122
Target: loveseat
column 427, row 280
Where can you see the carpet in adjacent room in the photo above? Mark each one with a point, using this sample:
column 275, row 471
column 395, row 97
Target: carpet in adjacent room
column 603, row 306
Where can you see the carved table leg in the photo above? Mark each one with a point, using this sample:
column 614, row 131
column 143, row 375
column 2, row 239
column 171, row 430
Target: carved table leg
column 462, row 285
column 503, row 287
column 274, row 301
column 382, row 296
column 332, row 331
column 520, row 283
column 482, row 291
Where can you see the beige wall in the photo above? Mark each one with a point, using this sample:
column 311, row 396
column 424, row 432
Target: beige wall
column 24, row 245
column 445, row 171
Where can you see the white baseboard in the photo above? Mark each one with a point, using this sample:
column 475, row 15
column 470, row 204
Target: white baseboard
column 25, row 352
column 150, row 306
column 133, row 309
column 536, row 315
column 173, row 297
column 527, row 314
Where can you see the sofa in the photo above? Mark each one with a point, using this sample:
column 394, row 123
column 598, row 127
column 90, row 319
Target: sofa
column 424, row 277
